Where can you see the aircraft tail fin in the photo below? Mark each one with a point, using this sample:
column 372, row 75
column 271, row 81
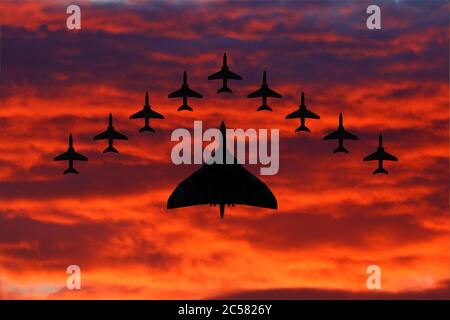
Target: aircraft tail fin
column 225, row 89
column 70, row 170
column 110, row 149
column 185, row 107
column 222, row 210
column 380, row 170
column 340, row 149
column 146, row 128
column 264, row 107
column 302, row 128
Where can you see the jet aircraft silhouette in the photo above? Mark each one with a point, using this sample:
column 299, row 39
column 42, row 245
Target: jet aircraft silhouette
column 302, row 113
column 185, row 92
column 222, row 184
column 381, row 156
column 264, row 92
column 70, row 155
column 110, row 134
column 146, row 113
column 341, row 134
column 225, row 74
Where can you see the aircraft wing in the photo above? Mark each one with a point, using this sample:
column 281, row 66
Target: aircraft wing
column 373, row 156
column 255, row 94
column 138, row 115
column 117, row 135
column 144, row 114
column 272, row 93
column 176, row 94
column 264, row 92
column 232, row 75
column 110, row 134
column 225, row 74
column 78, row 156
column 332, row 136
column 185, row 92
column 388, row 156
column 192, row 191
column 309, row 114
column 251, row 191
column 349, row 136
column 103, row 135
column 248, row 190
column 192, row 93
column 380, row 155
column 217, row 75
column 293, row 115
column 302, row 114
column 155, row 115
column 63, row 156
column 70, row 155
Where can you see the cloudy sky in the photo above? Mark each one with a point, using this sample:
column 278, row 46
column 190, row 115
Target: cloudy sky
column 334, row 218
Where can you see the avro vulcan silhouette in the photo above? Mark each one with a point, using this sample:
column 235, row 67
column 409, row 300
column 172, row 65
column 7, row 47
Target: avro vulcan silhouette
column 70, row 155
column 147, row 113
column 185, row 92
column 264, row 92
column 302, row 113
column 222, row 184
column 225, row 74
column 341, row 134
column 380, row 155
column 110, row 134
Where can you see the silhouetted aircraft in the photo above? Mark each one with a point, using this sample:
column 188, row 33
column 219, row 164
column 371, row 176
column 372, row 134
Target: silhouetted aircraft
column 341, row 134
column 147, row 113
column 110, row 134
column 70, row 155
column 222, row 184
column 185, row 92
column 380, row 155
column 225, row 74
column 264, row 92
column 302, row 113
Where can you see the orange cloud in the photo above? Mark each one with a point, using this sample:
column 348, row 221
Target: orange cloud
column 334, row 219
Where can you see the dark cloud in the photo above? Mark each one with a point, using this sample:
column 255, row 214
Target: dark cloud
column 90, row 244
column 36, row 58
column 442, row 292
column 286, row 231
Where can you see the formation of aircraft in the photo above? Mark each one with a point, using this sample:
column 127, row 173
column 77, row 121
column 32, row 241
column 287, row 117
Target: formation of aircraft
column 224, row 74
column 222, row 184
column 70, row 155
column 302, row 113
column 110, row 134
column 147, row 113
column 185, row 92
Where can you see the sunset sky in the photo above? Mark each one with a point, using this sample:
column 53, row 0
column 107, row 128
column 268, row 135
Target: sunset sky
column 334, row 217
